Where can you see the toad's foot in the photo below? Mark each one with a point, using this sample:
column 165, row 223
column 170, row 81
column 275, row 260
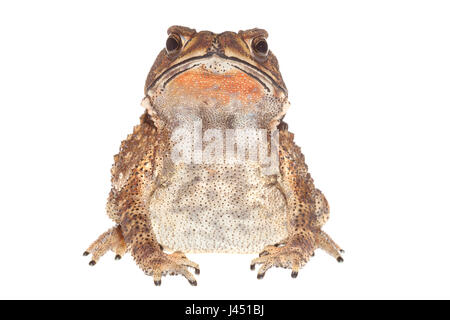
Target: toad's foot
column 110, row 240
column 157, row 263
column 295, row 252
column 327, row 244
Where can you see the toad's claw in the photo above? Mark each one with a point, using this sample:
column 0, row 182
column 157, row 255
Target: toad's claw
column 295, row 252
column 110, row 240
column 286, row 256
column 327, row 244
column 159, row 264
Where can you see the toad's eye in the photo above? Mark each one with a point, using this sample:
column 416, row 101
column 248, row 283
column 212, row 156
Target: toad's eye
column 260, row 47
column 173, row 44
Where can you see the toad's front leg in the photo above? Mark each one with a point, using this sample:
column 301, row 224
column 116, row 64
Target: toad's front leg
column 307, row 211
column 148, row 253
column 132, row 206
column 128, row 206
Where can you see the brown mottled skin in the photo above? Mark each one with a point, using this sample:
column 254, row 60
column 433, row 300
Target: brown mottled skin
column 140, row 173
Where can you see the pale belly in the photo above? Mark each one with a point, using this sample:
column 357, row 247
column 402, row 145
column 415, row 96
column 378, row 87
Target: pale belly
column 224, row 209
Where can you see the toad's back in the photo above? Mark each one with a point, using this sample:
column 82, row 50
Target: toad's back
column 220, row 208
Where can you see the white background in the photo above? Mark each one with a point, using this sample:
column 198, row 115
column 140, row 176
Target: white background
column 369, row 83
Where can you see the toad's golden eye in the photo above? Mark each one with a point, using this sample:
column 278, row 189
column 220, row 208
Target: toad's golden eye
column 260, row 47
column 173, row 43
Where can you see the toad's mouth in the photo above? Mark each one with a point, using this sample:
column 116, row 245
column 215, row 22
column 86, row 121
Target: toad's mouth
column 223, row 91
column 219, row 76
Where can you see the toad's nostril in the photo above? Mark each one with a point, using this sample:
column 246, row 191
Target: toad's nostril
column 215, row 45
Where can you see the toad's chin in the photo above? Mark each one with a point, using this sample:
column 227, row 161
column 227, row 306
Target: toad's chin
column 216, row 90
